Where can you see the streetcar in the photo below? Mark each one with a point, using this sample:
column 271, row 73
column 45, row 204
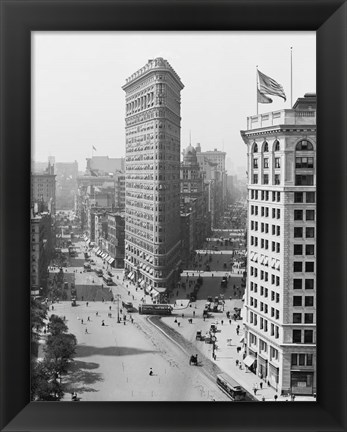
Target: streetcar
column 155, row 309
column 231, row 387
column 107, row 279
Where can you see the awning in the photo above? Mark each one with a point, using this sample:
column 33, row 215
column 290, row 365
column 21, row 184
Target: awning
column 130, row 274
column 111, row 260
column 278, row 265
column 155, row 293
column 143, row 283
column 242, row 338
column 99, row 253
column 249, row 360
column 261, row 259
column 273, row 261
column 266, row 262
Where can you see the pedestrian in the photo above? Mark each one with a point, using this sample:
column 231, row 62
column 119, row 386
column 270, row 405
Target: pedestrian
column 222, row 322
column 237, row 332
column 178, row 324
column 109, row 307
column 193, row 313
column 52, row 307
column 82, row 321
column 102, row 322
column 150, row 372
column 97, row 313
column 261, row 385
column 86, row 331
column 230, row 321
column 88, row 319
column 255, row 389
column 275, row 397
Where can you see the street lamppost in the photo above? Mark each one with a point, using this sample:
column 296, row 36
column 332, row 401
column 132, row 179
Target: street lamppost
column 118, row 298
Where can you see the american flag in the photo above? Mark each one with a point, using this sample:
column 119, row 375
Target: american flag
column 269, row 86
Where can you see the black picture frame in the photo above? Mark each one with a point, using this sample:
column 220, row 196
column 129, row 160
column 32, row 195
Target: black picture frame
column 18, row 19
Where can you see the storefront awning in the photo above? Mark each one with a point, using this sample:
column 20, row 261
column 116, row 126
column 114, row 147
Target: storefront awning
column 111, row 260
column 249, row 360
column 242, row 338
column 143, row 283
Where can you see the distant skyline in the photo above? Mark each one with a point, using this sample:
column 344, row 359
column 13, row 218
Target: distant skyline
column 78, row 102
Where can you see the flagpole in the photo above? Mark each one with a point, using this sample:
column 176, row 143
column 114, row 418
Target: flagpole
column 256, row 81
column 291, row 77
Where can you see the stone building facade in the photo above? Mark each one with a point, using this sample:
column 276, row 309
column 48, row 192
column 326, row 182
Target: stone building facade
column 152, row 175
column 280, row 300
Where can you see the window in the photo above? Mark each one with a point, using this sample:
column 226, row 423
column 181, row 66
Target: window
column 297, row 301
column 278, row 196
column 308, row 336
column 278, row 247
column 277, row 179
column 308, row 318
column 255, row 178
column 304, row 180
column 278, row 213
column 297, row 249
column 276, row 145
column 309, row 358
column 298, row 232
column 273, row 353
column 255, row 148
column 277, row 162
column 304, row 145
column 278, row 230
column 297, row 283
column 309, row 266
column 298, row 214
column 255, row 163
column 309, row 215
column 266, row 162
column 310, row 197
column 309, row 284
column 296, row 336
column 266, row 147
column 310, row 232
column 294, row 360
column 296, row 318
column 298, row 197
column 266, row 179
column 309, row 301
column 304, row 162
column 297, row 266
column 309, row 249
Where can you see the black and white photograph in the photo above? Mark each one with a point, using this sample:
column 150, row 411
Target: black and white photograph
column 173, row 225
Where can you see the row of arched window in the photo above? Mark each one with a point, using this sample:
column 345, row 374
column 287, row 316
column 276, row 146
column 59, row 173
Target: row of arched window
column 303, row 145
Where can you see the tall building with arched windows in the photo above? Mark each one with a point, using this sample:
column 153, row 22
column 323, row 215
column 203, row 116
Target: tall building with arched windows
column 152, row 176
column 280, row 299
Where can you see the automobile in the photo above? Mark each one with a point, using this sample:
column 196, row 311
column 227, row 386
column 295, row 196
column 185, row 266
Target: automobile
column 92, row 261
column 209, row 298
column 109, row 273
column 128, row 306
column 199, row 335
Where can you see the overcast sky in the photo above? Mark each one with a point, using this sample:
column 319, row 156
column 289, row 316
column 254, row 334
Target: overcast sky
column 78, row 102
